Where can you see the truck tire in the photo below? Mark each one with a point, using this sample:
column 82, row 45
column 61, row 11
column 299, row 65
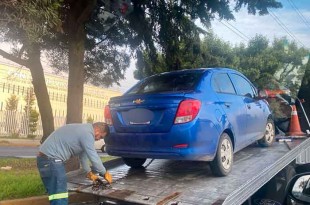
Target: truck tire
column 134, row 162
column 223, row 161
column 268, row 138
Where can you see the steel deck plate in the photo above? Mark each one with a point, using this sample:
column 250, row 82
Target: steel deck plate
column 187, row 182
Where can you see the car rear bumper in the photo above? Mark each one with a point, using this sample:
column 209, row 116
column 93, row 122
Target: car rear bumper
column 176, row 154
column 184, row 141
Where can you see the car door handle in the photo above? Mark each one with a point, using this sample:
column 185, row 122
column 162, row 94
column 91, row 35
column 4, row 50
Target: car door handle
column 227, row 105
column 249, row 106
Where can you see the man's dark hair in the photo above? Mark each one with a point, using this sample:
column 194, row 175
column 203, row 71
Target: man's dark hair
column 102, row 126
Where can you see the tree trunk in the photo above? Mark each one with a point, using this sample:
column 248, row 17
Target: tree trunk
column 40, row 90
column 76, row 77
column 80, row 12
column 39, row 85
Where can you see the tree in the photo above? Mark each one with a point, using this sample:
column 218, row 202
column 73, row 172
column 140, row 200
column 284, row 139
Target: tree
column 272, row 65
column 29, row 98
column 89, row 119
column 12, row 103
column 25, row 24
column 33, row 123
column 10, row 119
column 167, row 26
column 150, row 25
column 31, row 116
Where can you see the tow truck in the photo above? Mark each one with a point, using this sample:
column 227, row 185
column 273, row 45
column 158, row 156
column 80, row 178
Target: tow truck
column 258, row 174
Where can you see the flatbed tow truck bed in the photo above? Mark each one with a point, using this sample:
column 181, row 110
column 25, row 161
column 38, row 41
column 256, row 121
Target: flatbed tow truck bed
column 186, row 182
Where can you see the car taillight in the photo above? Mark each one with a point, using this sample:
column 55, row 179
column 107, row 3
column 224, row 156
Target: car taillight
column 107, row 115
column 187, row 111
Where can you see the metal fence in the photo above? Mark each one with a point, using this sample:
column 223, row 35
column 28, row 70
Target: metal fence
column 16, row 124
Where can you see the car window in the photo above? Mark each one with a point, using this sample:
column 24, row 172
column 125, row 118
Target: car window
column 221, row 83
column 243, row 86
column 171, row 82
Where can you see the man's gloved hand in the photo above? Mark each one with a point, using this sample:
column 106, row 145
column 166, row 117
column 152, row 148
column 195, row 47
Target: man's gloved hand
column 108, row 177
column 92, row 176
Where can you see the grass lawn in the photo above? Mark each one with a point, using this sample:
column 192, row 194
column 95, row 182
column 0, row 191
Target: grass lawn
column 23, row 179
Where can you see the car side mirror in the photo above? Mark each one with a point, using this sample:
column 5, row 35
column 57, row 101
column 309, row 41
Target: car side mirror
column 299, row 188
column 262, row 94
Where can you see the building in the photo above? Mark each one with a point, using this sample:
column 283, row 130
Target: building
column 17, row 81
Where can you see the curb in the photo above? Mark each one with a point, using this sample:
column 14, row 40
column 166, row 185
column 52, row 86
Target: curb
column 43, row 200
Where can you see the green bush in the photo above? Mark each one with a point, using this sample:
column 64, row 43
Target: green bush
column 31, row 136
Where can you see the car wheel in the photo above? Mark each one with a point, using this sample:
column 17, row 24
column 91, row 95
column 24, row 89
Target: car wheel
column 268, row 138
column 134, row 162
column 223, row 161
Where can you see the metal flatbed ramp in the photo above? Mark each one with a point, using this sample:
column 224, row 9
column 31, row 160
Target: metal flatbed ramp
column 185, row 182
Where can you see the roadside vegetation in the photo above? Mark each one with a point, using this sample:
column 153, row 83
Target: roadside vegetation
column 22, row 180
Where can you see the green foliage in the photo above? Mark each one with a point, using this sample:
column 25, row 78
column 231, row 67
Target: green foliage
column 10, row 117
column 30, row 101
column 31, row 115
column 33, row 121
column 89, row 119
column 12, row 103
column 169, row 27
column 31, row 18
column 268, row 65
column 21, row 181
column 14, row 135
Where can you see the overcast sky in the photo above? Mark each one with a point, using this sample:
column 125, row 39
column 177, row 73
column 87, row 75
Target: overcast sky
column 293, row 21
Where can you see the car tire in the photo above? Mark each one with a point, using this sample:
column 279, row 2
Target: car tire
column 269, row 135
column 223, row 161
column 134, row 162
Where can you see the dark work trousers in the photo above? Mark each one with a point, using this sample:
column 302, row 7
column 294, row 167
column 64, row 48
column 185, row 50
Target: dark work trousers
column 53, row 175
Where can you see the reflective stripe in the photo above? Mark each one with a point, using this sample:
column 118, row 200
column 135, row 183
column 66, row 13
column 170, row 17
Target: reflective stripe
column 58, row 196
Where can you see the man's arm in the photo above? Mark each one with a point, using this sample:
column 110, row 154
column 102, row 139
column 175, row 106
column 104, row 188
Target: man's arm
column 91, row 153
column 84, row 162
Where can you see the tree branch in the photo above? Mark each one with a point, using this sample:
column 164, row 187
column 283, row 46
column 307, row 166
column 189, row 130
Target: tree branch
column 13, row 58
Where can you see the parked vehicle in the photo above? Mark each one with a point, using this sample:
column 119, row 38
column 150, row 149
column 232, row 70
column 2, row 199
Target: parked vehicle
column 196, row 114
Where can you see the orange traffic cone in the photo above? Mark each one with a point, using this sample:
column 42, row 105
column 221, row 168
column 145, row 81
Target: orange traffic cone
column 294, row 124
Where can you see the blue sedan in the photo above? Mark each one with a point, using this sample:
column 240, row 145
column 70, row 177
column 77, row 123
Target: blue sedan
column 197, row 114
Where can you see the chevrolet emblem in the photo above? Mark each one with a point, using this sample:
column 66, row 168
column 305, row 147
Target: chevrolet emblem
column 138, row 101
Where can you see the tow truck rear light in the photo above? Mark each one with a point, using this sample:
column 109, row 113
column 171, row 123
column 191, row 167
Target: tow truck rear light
column 187, row 111
column 107, row 115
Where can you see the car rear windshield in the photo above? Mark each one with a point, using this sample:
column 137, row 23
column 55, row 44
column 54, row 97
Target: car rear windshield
column 171, row 82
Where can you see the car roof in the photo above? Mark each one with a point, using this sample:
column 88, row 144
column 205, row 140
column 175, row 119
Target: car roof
column 193, row 70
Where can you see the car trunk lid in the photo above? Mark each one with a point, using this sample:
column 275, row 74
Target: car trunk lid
column 144, row 113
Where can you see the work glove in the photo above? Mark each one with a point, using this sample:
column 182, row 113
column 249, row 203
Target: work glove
column 108, row 177
column 92, row 176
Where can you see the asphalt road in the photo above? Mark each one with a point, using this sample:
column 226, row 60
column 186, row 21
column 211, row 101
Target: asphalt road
column 23, row 152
